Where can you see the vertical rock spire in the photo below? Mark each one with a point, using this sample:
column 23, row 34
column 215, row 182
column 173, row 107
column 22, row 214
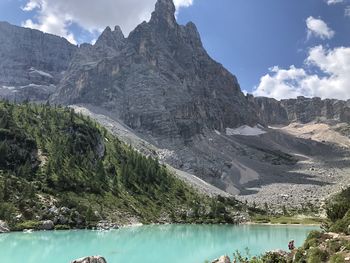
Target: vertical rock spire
column 164, row 13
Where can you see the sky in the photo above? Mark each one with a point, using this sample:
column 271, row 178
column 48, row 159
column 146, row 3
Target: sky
column 276, row 48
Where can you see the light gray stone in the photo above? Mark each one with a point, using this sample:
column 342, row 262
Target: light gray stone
column 94, row 259
column 4, row 228
column 47, row 225
column 222, row 259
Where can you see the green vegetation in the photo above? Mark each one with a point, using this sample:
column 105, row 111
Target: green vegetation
column 57, row 165
column 338, row 211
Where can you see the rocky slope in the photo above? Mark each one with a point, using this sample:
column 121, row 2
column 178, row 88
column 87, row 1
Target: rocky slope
column 32, row 62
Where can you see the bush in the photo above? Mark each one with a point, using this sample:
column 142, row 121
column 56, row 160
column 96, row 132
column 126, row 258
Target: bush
column 35, row 225
column 273, row 258
column 334, row 245
column 342, row 225
column 7, row 212
column 300, row 256
column 62, row 227
column 316, row 255
column 313, row 239
column 337, row 259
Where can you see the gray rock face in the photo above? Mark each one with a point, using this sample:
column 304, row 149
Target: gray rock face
column 4, row 228
column 32, row 62
column 301, row 110
column 47, row 225
column 159, row 80
column 95, row 259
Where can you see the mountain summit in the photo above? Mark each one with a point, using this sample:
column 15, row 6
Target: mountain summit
column 159, row 80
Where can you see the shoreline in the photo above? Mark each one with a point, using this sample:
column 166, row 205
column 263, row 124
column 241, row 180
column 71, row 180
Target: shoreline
column 27, row 231
column 279, row 224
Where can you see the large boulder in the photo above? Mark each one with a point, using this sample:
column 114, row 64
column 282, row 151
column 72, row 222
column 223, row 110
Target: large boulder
column 94, row 259
column 223, row 259
column 47, row 225
column 4, row 228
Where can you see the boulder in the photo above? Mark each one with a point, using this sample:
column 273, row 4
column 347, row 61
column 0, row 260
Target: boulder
column 223, row 259
column 4, row 228
column 94, row 259
column 47, row 225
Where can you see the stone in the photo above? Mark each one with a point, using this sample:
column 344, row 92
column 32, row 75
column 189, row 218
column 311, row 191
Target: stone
column 47, row 225
column 94, row 259
column 4, row 228
column 222, row 259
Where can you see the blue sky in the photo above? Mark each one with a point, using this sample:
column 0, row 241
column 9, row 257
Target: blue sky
column 264, row 43
column 250, row 36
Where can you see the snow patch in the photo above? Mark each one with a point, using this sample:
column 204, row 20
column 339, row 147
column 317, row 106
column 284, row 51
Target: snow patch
column 246, row 130
column 42, row 73
column 217, row 132
column 8, row 87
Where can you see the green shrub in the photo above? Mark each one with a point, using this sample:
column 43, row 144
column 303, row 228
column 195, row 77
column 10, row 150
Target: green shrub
column 316, row 255
column 300, row 256
column 313, row 239
column 27, row 225
column 342, row 225
column 337, row 259
column 62, row 227
column 7, row 211
column 273, row 258
column 334, row 245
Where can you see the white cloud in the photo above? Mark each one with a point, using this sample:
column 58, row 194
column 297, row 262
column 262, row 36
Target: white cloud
column 347, row 11
column 332, row 2
column 332, row 81
column 53, row 16
column 318, row 28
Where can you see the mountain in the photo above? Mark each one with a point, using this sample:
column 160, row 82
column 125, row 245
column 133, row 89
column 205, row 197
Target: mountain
column 159, row 80
column 160, row 91
column 64, row 168
column 32, row 62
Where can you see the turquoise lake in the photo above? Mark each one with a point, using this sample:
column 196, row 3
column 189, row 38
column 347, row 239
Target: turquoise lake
column 148, row 244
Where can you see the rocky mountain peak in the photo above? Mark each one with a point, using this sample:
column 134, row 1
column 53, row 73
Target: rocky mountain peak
column 164, row 12
column 109, row 38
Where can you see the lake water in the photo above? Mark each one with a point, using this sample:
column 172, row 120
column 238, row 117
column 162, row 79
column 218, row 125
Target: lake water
column 148, row 244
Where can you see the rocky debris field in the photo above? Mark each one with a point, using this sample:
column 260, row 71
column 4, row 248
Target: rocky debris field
column 300, row 173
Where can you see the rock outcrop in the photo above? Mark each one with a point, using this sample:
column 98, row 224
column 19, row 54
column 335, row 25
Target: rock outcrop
column 4, row 228
column 94, row 259
column 301, row 110
column 32, row 62
column 223, row 259
column 47, row 225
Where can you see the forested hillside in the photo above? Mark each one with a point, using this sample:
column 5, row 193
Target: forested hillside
column 60, row 166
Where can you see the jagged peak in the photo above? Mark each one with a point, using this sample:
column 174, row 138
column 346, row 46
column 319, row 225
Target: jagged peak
column 164, row 11
column 111, row 38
